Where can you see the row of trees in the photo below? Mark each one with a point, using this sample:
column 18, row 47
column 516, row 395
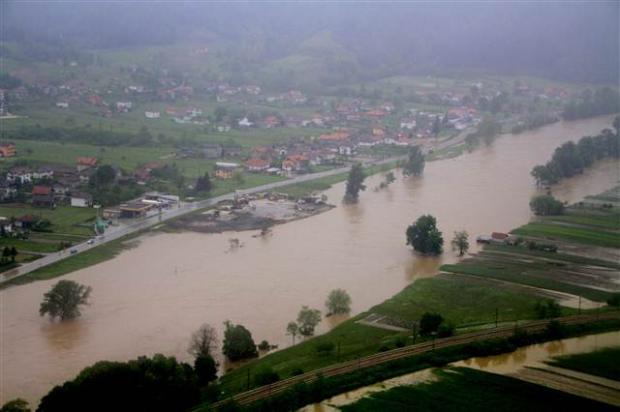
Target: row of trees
column 571, row 159
column 603, row 101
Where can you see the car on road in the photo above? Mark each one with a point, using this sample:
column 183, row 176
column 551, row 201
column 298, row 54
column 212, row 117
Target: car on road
column 91, row 241
column 73, row 251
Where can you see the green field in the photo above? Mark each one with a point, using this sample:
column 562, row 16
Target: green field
column 65, row 219
column 551, row 231
column 462, row 300
column 603, row 362
column 462, row 389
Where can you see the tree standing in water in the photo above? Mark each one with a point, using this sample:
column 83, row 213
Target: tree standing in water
column 355, row 183
column 460, row 242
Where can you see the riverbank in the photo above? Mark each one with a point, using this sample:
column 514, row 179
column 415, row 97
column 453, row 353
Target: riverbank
column 151, row 298
column 311, row 388
column 499, row 285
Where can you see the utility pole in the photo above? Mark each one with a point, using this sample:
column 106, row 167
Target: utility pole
column 415, row 331
column 496, row 316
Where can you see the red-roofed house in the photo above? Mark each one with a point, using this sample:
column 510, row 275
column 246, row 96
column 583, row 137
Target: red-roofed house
column 42, row 196
column 7, row 150
column 256, row 165
column 84, row 163
column 271, row 121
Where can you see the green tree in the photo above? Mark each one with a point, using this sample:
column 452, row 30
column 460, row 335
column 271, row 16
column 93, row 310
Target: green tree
column 14, row 253
column 16, row 405
column 206, row 369
column 429, row 323
column 292, row 329
column 63, row 301
column 424, row 236
column 307, row 319
column 547, row 309
column 203, row 183
column 338, row 301
column 355, row 183
column 460, row 242
column 160, row 384
column 238, row 342
column 414, row 165
column 265, row 376
column 103, row 177
column 545, row 205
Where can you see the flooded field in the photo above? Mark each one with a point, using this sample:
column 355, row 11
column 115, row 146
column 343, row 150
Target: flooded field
column 505, row 364
column 152, row 297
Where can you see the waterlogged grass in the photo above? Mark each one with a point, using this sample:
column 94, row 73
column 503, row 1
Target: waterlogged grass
column 589, row 236
column 604, row 362
column 605, row 219
column 581, row 260
column 462, row 389
column 524, row 274
column 461, row 300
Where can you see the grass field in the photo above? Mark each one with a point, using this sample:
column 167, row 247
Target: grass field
column 462, row 389
column 462, row 300
column 552, row 231
column 604, row 362
column 65, row 219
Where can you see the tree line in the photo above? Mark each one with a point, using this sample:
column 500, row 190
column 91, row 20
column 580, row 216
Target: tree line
column 603, row 101
column 572, row 158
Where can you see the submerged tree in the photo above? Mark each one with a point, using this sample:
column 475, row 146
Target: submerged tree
column 414, row 165
column 545, row 205
column 424, row 236
column 338, row 301
column 355, row 183
column 460, row 242
column 63, row 301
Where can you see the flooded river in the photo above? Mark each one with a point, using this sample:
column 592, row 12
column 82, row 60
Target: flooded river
column 504, row 364
column 152, row 297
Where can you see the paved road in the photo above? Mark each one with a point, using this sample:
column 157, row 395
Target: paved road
column 116, row 232
column 135, row 225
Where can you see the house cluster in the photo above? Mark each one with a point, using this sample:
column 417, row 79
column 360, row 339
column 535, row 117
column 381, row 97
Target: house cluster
column 225, row 93
column 49, row 186
column 187, row 115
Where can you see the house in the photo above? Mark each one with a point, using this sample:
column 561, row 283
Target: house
column 43, row 173
column 42, row 196
column 408, row 124
column 123, row 107
column 346, row 150
column 244, row 122
column 231, row 150
column 271, row 121
column 295, row 163
column 84, row 163
column 152, row 115
column 7, row 150
column 225, row 170
column 134, row 210
column 334, row 137
column 6, row 225
column 79, row 199
column 62, row 105
column 19, row 174
column 223, row 128
column 212, row 151
column 26, row 221
column 256, row 165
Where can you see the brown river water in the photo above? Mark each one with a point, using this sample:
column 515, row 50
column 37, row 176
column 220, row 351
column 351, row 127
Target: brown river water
column 151, row 298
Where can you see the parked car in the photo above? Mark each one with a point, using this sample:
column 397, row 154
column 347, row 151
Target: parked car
column 73, row 251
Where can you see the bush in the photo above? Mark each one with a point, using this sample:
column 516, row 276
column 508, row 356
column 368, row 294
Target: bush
column 266, row 376
column 264, row 345
column 445, row 330
column 546, row 205
column 324, row 348
column 429, row 323
column 614, row 300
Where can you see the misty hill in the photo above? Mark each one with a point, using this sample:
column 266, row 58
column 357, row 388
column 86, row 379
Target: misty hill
column 310, row 45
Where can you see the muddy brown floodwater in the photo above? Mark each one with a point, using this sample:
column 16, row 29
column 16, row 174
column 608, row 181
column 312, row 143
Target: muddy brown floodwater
column 152, row 297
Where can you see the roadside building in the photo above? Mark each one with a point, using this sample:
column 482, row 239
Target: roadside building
column 80, row 199
column 134, row 210
column 84, row 163
column 256, row 165
column 225, row 170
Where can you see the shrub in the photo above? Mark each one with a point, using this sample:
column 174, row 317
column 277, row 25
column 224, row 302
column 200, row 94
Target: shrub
column 266, row 376
column 324, row 348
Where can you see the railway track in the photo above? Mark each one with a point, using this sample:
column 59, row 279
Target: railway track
column 266, row 391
